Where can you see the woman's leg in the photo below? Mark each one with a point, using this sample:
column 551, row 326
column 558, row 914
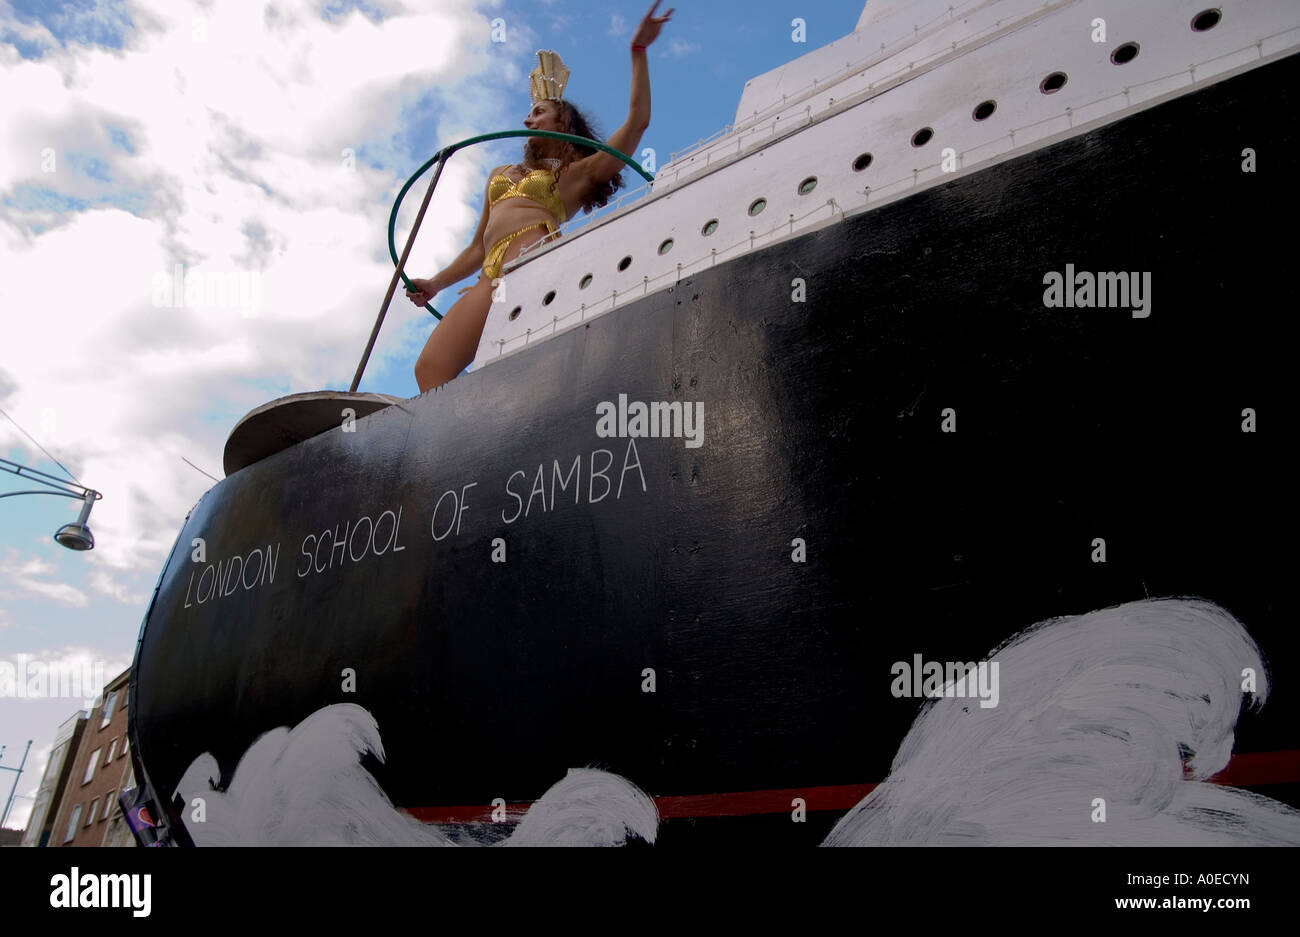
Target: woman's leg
column 461, row 328
column 454, row 340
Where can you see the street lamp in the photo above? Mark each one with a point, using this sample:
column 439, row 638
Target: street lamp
column 74, row 536
column 77, row 536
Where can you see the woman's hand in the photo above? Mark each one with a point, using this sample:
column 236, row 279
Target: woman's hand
column 424, row 290
column 650, row 26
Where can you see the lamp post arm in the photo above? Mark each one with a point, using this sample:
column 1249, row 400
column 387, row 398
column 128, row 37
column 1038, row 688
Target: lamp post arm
column 38, row 491
column 70, row 489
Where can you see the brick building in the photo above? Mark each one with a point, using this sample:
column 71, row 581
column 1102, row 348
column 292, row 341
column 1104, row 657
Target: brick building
column 88, row 814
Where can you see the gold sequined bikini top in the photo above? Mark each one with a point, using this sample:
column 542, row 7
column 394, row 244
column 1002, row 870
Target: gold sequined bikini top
column 539, row 186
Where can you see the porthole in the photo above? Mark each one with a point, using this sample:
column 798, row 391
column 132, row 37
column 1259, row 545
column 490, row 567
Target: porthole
column 1206, row 19
column 624, row 263
column 985, row 110
column 548, row 298
column 1053, row 83
column 709, row 227
column 584, row 282
column 757, row 205
column 514, row 313
column 807, row 185
column 922, row 136
column 666, row 246
column 1125, row 53
column 862, row 162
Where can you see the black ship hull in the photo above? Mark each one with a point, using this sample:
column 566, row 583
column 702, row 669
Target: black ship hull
column 918, row 455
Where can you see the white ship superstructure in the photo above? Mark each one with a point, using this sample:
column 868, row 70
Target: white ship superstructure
column 920, row 93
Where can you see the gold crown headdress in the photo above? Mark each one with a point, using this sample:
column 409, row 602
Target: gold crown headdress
column 548, row 79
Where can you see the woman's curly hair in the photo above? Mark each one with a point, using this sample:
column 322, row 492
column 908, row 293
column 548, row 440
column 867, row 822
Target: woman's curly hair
column 574, row 122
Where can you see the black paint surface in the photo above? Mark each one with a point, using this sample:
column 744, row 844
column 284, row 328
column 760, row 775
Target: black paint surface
column 822, row 422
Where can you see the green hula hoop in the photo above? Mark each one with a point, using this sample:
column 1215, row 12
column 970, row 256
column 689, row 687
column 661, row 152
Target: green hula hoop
column 446, row 152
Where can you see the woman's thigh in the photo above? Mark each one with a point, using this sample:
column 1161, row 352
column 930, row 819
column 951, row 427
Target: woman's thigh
column 462, row 324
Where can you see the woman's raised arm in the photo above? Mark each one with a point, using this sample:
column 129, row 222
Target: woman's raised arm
column 601, row 167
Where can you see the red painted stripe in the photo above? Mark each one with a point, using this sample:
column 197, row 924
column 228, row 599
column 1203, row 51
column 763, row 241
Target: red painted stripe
column 1245, row 770
column 1255, row 768
column 474, row 813
column 745, row 803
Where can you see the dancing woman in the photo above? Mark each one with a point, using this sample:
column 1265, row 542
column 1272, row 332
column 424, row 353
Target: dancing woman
column 526, row 202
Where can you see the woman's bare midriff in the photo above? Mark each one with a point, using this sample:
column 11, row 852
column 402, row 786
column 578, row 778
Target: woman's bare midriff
column 510, row 214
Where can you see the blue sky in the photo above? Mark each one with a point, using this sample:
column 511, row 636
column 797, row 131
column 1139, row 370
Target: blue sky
column 140, row 134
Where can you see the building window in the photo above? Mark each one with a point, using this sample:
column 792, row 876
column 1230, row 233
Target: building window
column 108, row 708
column 72, row 823
column 124, row 690
column 126, row 743
column 90, row 765
column 94, row 809
column 108, row 805
column 112, row 750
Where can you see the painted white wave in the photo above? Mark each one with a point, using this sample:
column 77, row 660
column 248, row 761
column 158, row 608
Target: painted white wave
column 588, row 808
column 1105, row 706
column 307, row 787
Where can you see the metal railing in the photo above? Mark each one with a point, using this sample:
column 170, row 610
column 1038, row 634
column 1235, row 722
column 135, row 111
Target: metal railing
column 441, row 158
column 878, row 193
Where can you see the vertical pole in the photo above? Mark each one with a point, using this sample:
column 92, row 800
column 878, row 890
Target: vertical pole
column 397, row 274
column 14, row 787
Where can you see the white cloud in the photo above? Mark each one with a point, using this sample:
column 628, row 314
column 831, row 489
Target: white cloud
column 237, row 115
column 617, row 26
column 106, row 584
column 81, row 669
column 24, row 576
column 35, row 567
column 679, row 48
